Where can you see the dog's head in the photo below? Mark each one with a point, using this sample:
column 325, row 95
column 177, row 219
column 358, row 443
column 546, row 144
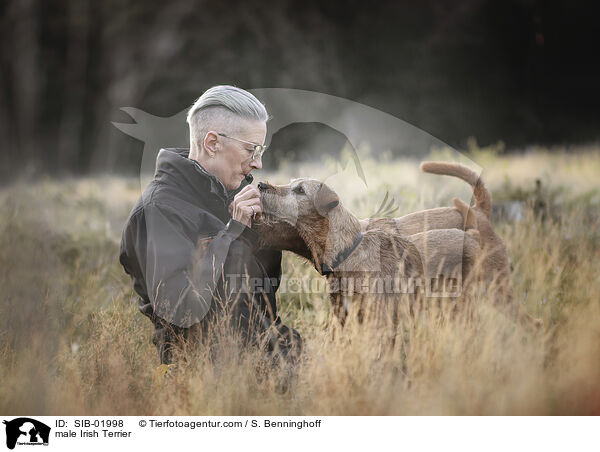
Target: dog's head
column 301, row 202
column 293, row 212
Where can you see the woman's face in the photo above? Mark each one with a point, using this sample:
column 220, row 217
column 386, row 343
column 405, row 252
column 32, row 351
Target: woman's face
column 233, row 159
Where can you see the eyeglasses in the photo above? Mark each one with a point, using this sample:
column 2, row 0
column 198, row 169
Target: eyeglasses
column 257, row 149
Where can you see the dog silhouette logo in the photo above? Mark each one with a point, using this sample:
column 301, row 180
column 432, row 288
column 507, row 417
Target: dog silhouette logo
column 26, row 431
column 358, row 123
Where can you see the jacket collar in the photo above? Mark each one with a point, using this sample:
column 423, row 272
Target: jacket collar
column 173, row 165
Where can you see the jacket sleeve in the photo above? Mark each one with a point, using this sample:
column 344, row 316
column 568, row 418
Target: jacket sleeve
column 182, row 276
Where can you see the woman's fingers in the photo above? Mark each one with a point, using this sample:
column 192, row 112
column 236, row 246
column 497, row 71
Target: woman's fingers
column 249, row 199
column 248, row 192
column 243, row 211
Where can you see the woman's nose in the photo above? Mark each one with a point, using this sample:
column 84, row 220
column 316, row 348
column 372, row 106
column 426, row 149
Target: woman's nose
column 257, row 163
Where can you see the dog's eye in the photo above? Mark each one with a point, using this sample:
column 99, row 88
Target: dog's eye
column 299, row 190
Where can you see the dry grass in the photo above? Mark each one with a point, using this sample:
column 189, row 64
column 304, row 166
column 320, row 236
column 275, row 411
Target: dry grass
column 71, row 341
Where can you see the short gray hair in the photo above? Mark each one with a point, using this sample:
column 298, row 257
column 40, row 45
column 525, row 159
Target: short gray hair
column 223, row 105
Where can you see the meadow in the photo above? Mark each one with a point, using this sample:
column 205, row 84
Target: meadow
column 72, row 341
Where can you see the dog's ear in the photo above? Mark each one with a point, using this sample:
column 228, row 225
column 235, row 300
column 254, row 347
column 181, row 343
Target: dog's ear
column 325, row 200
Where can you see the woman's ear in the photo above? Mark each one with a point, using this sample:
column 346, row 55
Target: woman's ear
column 211, row 143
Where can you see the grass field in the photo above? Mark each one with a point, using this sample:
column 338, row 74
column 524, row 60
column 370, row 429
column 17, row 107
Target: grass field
column 72, row 341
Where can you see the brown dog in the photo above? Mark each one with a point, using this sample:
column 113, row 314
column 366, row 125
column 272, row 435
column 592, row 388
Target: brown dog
column 492, row 262
column 475, row 220
column 307, row 217
column 437, row 233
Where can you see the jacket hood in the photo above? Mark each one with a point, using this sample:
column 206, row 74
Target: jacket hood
column 174, row 166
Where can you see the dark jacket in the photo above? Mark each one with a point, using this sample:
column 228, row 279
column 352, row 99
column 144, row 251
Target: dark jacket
column 184, row 252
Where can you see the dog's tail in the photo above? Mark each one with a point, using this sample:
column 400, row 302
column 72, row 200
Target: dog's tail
column 483, row 198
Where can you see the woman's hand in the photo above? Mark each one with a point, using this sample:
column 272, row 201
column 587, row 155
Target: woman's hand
column 246, row 205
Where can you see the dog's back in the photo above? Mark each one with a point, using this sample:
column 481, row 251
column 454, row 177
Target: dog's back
column 440, row 217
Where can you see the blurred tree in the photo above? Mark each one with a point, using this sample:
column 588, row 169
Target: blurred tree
column 522, row 70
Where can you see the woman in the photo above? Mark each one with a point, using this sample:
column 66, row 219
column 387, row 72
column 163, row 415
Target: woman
column 187, row 243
